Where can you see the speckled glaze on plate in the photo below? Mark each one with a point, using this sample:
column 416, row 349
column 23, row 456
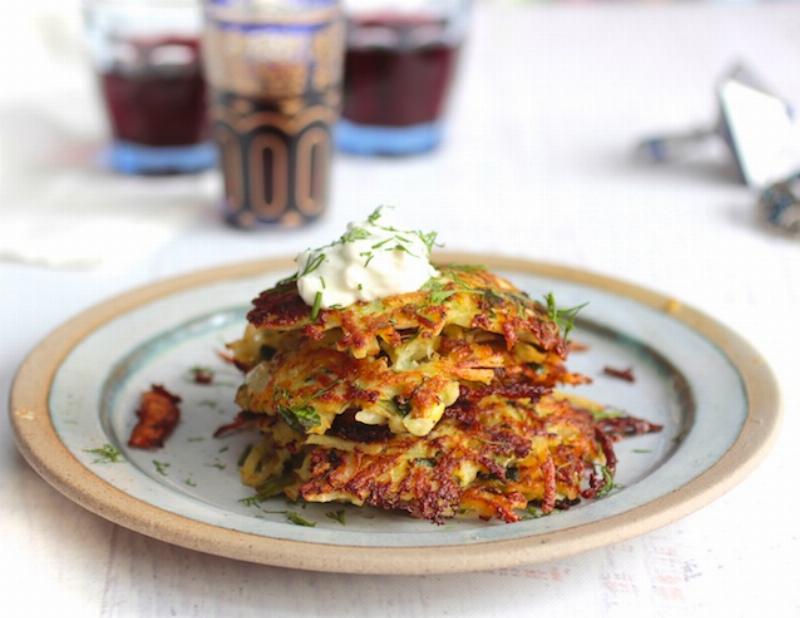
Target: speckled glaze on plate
column 78, row 391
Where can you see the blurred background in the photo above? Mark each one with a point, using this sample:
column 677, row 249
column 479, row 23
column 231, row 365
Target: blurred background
column 469, row 116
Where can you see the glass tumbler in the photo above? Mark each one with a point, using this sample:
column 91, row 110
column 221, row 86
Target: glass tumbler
column 400, row 63
column 147, row 56
column 275, row 71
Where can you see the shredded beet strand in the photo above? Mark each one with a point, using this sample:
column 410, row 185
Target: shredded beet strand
column 158, row 414
column 242, row 421
column 620, row 374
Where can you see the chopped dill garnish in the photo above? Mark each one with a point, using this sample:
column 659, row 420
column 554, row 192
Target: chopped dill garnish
column 428, row 239
column 217, row 464
column 322, row 282
column 161, row 467
column 642, row 450
column 297, row 520
column 300, row 418
column 606, row 413
column 402, row 249
column 317, row 306
column 376, row 214
column 274, row 486
column 338, row 516
column 195, row 439
column 107, row 453
column 533, row 512
column 438, row 291
column 380, row 244
column 208, row 403
column 357, row 233
column 492, row 298
column 287, row 280
column 460, row 282
column 564, row 318
column 325, row 389
column 369, row 255
column 608, row 482
column 313, row 264
column 223, row 449
column 188, row 481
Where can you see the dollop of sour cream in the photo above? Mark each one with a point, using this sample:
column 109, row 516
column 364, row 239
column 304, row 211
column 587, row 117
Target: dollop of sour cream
column 372, row 260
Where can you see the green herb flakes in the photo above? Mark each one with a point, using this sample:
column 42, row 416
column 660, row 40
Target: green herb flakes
column 376, row 215
column 564, row 318
column 533, row 512
column 608, row 482
column 298, row 520
column 313, row 263
column 250, row 501
column 606, row 413
column 301, row 418
column 428, row 239
column 369, row 255
column 357, row 233
column 106, row 454
column 274, row 487
column 337, row 516
column 438, row 291
column 317, row 306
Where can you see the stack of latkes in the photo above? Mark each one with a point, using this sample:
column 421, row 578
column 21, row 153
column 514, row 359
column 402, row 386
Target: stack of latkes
column 436, row 403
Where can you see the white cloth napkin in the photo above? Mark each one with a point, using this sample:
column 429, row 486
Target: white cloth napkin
column 58, row 206
column 82, row 218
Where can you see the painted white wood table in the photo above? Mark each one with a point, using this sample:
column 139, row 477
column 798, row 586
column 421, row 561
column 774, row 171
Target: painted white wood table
column 538, row 165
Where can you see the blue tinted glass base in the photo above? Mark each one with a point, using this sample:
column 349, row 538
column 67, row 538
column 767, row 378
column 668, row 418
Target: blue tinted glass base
column 375, row 140
column 130, row 158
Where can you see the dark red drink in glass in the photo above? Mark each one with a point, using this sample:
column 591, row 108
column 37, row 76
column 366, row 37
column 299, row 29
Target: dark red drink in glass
column 161, row 102
column 402, row 85
column 399, row 68
column 147, row 56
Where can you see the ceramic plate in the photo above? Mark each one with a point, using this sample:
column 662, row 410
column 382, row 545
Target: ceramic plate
column 78, row 390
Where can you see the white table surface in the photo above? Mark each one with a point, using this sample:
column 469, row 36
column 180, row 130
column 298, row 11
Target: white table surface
column 537, row 165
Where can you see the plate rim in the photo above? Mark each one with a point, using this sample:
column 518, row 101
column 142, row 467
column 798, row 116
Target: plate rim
column 40, row 445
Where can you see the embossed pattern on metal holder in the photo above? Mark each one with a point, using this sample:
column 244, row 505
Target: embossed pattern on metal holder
column 276, row 80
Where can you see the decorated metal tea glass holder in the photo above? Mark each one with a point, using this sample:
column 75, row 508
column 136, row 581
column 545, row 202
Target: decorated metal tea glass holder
column 275, row 70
